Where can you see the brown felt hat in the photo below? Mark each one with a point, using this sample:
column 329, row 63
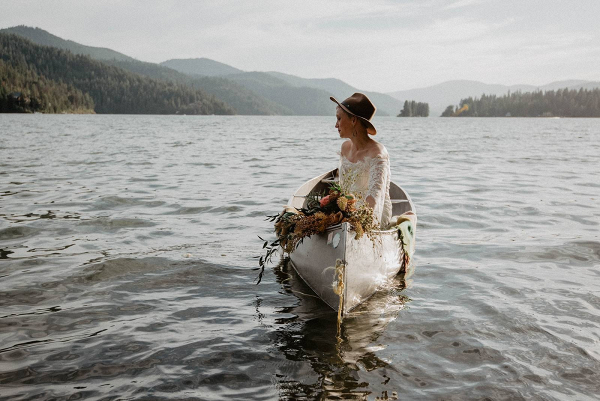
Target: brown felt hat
column 359, row 105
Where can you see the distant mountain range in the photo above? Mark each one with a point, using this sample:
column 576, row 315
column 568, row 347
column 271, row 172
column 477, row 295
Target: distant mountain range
column 265, row 82
column 201, row 66
column 239, row 98
column 278, row 93
column 246, row 92
column 48, row 79
column 44, row 38
column 451, row 92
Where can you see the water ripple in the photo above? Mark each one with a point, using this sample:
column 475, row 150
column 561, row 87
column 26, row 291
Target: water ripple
column 127, row 245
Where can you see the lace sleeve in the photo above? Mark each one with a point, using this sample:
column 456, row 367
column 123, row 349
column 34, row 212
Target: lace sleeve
column 378, row 178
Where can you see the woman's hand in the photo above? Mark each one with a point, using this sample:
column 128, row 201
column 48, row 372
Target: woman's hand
column 370, row 201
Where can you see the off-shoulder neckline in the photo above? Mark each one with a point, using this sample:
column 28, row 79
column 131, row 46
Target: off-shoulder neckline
column 366, row 158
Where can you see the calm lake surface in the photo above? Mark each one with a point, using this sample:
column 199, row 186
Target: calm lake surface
column 127, row 245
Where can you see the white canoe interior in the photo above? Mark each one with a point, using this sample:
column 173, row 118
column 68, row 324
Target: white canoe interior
column 368, row 264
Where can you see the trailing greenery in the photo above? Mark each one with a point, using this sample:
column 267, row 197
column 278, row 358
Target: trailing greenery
column 414, row 109
column 112, row 89
column 22, row 90
column 560, row 103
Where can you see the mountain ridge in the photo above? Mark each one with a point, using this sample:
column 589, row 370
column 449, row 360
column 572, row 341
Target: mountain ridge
column 279, row 99
column 386, row 105
column 325, row 87
column 45, row 38
column 210, row 67
column 255, row 93
column 112, row 89
column 241, row 99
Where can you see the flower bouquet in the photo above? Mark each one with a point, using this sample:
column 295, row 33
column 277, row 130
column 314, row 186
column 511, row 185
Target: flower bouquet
column 321, row 212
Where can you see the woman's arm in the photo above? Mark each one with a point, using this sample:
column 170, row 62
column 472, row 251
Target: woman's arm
column 378, row 176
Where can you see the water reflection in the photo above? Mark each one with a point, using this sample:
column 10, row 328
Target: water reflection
column 309, row 333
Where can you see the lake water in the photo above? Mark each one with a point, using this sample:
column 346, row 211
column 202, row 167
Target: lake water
column 127, row 245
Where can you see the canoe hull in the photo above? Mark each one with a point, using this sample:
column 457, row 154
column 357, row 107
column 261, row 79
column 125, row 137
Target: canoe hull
column 315, row 259
column 367, row 264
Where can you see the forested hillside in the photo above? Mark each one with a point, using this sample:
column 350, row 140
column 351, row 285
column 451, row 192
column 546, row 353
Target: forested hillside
column 386, row 104
column 112, row 89
column 44, row 38
column 245, row 92
column 243, row 100
column 279, row 95
column 22, row 90
column 559, row 103
column 299, row 100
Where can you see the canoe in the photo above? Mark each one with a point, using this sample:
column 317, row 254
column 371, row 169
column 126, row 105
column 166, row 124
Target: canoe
column 343, row 271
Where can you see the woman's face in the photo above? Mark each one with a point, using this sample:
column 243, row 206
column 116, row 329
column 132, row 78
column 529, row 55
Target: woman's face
column 343, row 123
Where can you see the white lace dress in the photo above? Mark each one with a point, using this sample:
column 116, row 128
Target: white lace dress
column 369, row 177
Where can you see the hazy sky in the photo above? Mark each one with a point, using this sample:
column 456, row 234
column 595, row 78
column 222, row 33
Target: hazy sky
column 381, row 45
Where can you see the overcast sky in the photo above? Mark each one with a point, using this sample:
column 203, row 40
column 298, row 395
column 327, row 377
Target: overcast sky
column 380, row 45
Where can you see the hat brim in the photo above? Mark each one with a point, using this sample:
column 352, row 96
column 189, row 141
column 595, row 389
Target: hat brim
column 370, row 128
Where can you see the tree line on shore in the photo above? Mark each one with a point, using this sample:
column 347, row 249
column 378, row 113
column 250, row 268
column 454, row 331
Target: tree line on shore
column 414, row 109
column 560, row 103
column 552, row 103
column 25, row 91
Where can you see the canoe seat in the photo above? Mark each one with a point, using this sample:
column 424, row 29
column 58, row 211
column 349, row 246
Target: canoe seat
column 329, row 180
column 400, row 206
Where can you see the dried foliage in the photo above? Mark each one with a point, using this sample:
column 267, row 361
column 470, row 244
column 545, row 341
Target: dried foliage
column 322, row 211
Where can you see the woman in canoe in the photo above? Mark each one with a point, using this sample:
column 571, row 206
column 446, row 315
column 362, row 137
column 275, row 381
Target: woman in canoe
column 364, row 166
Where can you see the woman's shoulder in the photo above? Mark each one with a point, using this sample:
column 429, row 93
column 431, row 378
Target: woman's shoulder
column 345, row 149
column 375, row 151
column 378, row 151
